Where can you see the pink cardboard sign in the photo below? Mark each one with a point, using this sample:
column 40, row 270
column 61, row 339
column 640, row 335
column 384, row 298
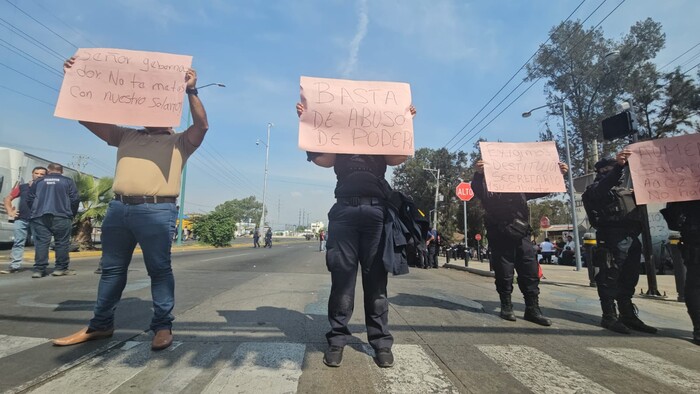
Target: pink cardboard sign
column 522, row 167
column 357, row 117
column 666, row 169
column 120, row 86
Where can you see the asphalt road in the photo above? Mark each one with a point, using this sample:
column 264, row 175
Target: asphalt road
column 253, row 321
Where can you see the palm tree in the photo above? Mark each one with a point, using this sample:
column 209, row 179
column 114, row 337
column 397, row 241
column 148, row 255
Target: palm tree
column 95, row 195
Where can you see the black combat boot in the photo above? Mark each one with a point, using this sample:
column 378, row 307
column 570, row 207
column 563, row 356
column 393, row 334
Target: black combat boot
column 507, row 308
column 533, row 313
column 628, row 317
column 695, row 318
column 610, row 320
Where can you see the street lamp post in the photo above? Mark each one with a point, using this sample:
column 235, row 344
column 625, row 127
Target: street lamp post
column 181, row 210
column 570, row 178
column 437, row 189
column 267, row 156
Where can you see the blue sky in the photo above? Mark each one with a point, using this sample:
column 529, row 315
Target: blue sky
column 455, row 54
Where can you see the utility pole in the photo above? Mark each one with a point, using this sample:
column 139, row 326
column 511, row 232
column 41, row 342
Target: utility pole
column 436, row 173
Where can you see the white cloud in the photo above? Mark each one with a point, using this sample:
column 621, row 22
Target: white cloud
column 362, row 23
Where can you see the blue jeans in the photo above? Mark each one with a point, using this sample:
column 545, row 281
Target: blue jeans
column 21, row 228
column 44, row 228
column 152, row 226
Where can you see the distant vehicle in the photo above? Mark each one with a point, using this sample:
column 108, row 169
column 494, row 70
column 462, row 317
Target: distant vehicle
column 16, row 167
column 309, row 236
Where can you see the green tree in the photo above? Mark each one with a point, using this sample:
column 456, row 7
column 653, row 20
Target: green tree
column 216, row 228
column 577, row 68
column 95, row 195
column 240, row 210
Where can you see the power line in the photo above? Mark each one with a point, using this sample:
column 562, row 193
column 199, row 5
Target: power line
column 27, row 76
column 64, row 23
column 679, row 56
column 26, row 95
column 32, row 40
column 522, row 82
column 511, row 78
column 538, row 79
column 37, row 21
column 29, row 57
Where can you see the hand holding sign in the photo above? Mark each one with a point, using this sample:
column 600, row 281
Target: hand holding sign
column 118, row 86
column 358, row 117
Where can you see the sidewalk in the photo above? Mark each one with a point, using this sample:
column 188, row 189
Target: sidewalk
column 567, row 274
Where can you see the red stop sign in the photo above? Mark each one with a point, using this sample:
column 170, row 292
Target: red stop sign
column 544, row 222
column 464, row 191
column 477, row 237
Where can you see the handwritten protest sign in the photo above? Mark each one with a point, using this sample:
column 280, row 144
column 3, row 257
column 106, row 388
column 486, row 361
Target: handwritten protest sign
column 526, row 167
column 666, row 169
column 124, row 87
column 358, row 117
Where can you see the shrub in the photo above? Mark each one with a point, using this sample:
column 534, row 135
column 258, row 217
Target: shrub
column 215, row 229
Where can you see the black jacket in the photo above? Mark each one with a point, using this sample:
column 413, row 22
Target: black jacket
column 502, row 208
column 53, row 194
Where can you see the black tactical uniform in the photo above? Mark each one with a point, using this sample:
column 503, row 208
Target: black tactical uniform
column 611, row 210
column 356, row 221
column 509, row 240
column 685, row 217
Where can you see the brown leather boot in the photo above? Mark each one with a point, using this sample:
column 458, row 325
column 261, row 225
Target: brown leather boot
column 162, row 340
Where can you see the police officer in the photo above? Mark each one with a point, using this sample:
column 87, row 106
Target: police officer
column 685, row 217
column 611, row 210
column 357, row 221
column 509, row 240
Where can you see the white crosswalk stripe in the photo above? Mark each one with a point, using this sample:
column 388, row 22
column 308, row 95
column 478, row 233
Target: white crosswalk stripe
column 413, row 372
column 258, row 367
column 102, row 373
column 653, row 367
column 538, row 371
column 10, row 345
column 277, row 367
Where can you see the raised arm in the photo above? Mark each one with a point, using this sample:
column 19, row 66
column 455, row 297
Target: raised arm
column 200, row 125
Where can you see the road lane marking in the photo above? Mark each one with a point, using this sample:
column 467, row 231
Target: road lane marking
column 10, row 345
column 187, row 369
column 258, row 367
column 101, row 374
column 225, row 257
column 538, row 371
column 654, row 367
column 413, row 372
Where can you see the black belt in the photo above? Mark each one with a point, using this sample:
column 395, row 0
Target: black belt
column 355, row 201
column 135, row 200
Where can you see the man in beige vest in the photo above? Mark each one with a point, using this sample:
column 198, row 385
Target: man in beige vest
column 144, row 212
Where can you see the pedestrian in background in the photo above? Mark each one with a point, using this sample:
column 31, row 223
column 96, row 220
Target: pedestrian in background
column 510, row 246
column 144, row 211
column 612, row 211
column 54, row 201
column 547, row 250
column 256, row 238
column 21, row 217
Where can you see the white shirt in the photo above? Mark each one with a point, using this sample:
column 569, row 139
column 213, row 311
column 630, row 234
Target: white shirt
column 546, row 247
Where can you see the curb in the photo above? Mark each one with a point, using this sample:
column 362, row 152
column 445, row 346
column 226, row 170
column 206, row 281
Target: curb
column 29, row 255
column 471, row 270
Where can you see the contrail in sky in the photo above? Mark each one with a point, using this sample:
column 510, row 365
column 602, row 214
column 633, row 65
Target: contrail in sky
column 357, row 40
